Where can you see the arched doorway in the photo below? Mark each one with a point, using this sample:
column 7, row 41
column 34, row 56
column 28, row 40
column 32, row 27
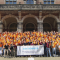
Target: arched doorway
column 30, row 27
column 47, row 27
column 10, row 24
column 29, row 24
column 13, row 27
column 49, row 24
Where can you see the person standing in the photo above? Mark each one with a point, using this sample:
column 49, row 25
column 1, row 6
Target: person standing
column 11, row 49
column 6, row 49
column 54, row 47
column 48, row 48
column 59, row 46
column 1, row 45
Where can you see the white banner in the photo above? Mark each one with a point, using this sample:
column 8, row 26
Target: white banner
column 30, row 50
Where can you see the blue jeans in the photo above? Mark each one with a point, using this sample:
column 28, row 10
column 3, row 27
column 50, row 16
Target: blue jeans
column 54, row 51
column 3, row 51
column 0, row 50
column 48, row 51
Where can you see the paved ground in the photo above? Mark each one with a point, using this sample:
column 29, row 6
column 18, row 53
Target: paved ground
column 35, row 58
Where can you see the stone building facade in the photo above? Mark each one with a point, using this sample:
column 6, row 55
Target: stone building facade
column 29, row 15
column 35, row 1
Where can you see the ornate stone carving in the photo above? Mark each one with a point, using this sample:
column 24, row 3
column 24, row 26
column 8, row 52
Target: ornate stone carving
column 19, row 13
column 58, row 24
column 30, row 7
column 40, row 15
column 7, row 16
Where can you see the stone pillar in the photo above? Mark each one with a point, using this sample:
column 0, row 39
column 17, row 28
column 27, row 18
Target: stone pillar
column 20, row 27
column 19, row 13
column 40, row 26
column 1, row 26
column 58, row 24
column 40, row 15
column 34, row 1
column 59, row 16
column 24, row 1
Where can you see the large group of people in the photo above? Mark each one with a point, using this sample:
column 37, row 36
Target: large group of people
column 10, row 40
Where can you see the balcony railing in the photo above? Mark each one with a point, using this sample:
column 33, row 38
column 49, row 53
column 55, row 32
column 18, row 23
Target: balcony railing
column 30, row 7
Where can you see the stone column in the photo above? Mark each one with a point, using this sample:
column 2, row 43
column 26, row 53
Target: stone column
column 19, row 24
column 20, row 27
column 1, row 26
column 40, row 26
column 59, row 16
column 40, row 15
column 19, row 13
column 34, row 1
column 58, row 25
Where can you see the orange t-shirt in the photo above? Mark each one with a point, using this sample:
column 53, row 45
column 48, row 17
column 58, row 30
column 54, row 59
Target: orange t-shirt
column 34, row 42
column 59, row 43
column 53, row 46
column 0, row 45
column 58, row 38
column 4, row 44
column 41, row 34
column 44, row 36
column 39, row 38
column 53, row 39
column 27, row 40
column 18, row 41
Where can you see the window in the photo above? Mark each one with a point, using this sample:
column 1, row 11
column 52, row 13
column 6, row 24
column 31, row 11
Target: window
column 29, row 2
column 11, row 1
column 48, row 1
column 52, row 1
column 7, row 2
column 14, row 2
column 45, row 2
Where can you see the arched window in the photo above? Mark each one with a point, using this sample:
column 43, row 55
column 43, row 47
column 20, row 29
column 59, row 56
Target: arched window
column 13, row 27
column 30, row 27
column 29, row 2
column 11, row 1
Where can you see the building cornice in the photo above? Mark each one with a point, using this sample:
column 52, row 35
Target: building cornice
column 29, row 7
